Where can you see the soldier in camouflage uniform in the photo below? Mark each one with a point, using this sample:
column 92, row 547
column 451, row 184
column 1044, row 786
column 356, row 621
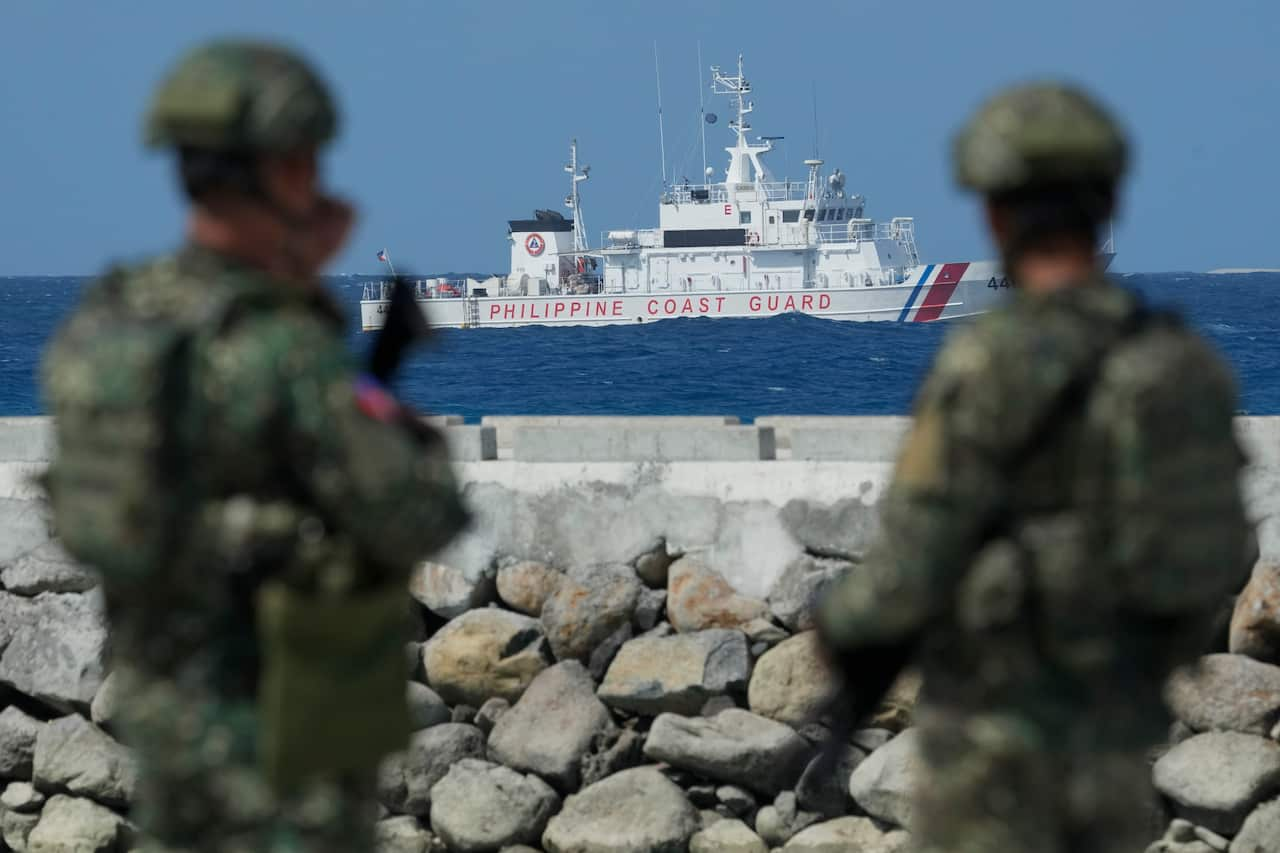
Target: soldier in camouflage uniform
column 1063, row 519
column 260, row 643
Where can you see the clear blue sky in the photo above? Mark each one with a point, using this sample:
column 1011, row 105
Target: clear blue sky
column 458, row 114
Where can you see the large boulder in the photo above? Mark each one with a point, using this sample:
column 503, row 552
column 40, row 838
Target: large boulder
column 635, row 811
column 883, row 784
column 21, row 797
column 479, row 807
column 735, row 746
column 678, row 674
column 72, row 825
column 426, row 708
column 579, row 616
column 483, row 654
column 75, row 755
column 794, row 598
column 430, row 754
column 52, row 647
column 48, row 568
column 727, row 836
column 1260, row 832
column 1215, row 779
column 553, row 726
column 791, row 683
column 17, row 743
column 1255, row 623
column 15, row 829
column 846, row 835
column 1224, row 691
column 450, row 592
column 698, row 599
column 526, row 585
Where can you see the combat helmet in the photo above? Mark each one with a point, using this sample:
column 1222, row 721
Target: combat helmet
column 240, row 95
column 1036, row 135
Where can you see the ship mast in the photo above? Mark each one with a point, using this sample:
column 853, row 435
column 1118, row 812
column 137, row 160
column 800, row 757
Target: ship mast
column 744, row 158
column 574, row 201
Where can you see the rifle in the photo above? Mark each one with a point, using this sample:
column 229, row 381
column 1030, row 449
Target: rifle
column 405, row 325
column 873, row 669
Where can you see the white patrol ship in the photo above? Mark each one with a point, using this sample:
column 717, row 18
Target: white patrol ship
column 748, row 246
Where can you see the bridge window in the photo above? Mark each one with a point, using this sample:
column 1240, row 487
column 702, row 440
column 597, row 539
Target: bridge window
column 744, row 217
column 790, row 216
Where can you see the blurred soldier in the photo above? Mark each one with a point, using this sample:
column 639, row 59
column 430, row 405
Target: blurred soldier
column 253, row 503
column 1064, row 517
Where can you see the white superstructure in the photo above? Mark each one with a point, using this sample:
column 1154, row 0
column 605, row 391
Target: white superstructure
column 746, row 246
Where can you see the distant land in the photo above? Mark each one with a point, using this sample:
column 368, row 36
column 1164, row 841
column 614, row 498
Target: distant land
column 1241, row 271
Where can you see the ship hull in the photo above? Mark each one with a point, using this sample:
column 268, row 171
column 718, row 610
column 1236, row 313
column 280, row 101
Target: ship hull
column 930, row 293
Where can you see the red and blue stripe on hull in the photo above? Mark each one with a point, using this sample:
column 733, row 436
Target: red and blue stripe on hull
column 938, row 282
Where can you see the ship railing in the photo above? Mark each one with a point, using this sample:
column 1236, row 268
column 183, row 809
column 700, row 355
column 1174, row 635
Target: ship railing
column 719, row 193
column 900, row 229
column 423, row 288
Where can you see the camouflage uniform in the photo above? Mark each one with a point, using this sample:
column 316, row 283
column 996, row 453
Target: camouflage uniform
column 302, row 483
column 1048, row 554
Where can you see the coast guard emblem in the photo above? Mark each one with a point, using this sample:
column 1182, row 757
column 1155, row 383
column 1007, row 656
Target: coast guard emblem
column 534, row 244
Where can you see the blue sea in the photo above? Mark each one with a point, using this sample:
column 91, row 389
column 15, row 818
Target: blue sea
column 784, row 365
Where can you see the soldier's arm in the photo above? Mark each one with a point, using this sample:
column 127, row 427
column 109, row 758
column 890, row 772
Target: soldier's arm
column 944, row 496
column 370, row 476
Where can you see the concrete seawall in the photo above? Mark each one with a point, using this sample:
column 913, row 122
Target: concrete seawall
column 573, row 491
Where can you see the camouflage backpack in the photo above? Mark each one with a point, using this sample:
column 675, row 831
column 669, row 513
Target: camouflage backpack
column 115, row 379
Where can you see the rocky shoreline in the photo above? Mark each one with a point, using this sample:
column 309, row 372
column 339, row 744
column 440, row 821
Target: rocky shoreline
column 639, row 707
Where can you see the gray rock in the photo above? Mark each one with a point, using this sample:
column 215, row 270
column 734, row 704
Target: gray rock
column 24, row 527
column 845, row 835
column 1215, row 779
column 1255, row 624
column 1213, row 839
column 699, row 599
column 52, row 647
column 426, row 708
column 735, row 746
column 679, row 673
column 844, row 529
column 763, row 633
column 489, row 713
column 869, row 740
column 464, row 714
column 553, row 726
column 17, row 743
column 402, row 835
column 727, row 836
column 483, row 654
column 392, row 789
column 48, row 568
column 431, row 752
column 824, row 786
column 479, row 807
column 652, row 567
column 777, row 823
column 738, row 800
column 1260, row 832
column 635, row 811
column 414, row 670
column 579, row 616
column 1223, row 691
column 715, row 705
column 626, row 750
column 525, row 586
column 450, row 592
column 73, row 825
column 702, row 796
column 603, row 654
column 649, row 608
column 795, row 595
column 882, row 784
column 791, row 684
column 106, row 702
column 16, row 827
column 21, row 797
column 708, row 819
column 74, row 754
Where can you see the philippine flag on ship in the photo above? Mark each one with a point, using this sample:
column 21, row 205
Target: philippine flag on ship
column 382, row 255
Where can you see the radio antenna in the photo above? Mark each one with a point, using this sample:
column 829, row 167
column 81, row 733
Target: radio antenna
column 815, row 120
column 702, row 117
column 662, row 137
